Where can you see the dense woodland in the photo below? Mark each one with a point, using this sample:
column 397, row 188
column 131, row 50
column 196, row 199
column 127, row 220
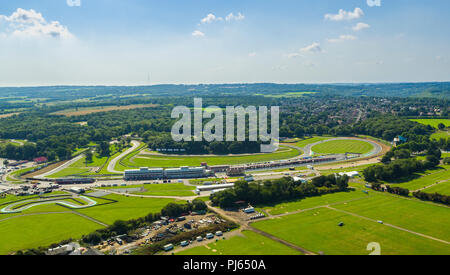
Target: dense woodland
column 337, row 110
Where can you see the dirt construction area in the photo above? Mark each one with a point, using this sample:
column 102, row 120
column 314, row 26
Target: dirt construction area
column 81, row 111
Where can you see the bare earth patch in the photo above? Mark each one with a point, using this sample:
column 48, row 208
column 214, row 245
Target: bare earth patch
column 81, row 111
column 8, row 115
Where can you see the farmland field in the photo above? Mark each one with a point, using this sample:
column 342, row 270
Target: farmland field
column 342, row 147
column 249, row 243
column 177, row 161
column 8, row 115
column 86, row 111
column 433, row 122
column 41, row 230
column 318, row 231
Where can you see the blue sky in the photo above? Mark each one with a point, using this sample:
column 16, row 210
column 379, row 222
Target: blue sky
column 112, row 42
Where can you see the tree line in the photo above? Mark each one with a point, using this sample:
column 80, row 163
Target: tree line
column 272, row 191
column 435, row 197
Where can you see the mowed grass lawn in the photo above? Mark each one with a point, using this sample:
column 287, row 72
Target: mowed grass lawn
column 342, row 147
column 41, row 230
column 126, row 209
column 433, row 122
column 442, row 188
column 250, row 243
column 166, row 189
column 426, row 178
column 422, row 217
column 307, row 203
column 318, row 231
column 312, row 140
column 177, row 161
column 76, row 168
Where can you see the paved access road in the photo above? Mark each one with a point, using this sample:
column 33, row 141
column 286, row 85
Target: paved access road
column 113, row 162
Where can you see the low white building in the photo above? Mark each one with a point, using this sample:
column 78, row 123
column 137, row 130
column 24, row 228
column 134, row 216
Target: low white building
column 77, row 190
column 353, row 174
column 220, row 187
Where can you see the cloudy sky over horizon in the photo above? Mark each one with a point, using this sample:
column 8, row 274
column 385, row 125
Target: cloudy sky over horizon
column 141, row 42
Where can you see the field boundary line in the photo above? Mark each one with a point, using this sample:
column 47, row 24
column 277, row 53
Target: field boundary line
column 389, row 225
column 90, row 218
column 313, row 208
column 281, row 241
column 432, row 185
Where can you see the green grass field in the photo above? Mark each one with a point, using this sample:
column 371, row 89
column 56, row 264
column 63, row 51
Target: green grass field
column 433, row 122
column 422, row 217
column 14, row 176
column 46, row 208
column 177, row 161
column 307, row 203
column 442, row 188
column 80, row 167
column 249, row 243
column 359, row 168
column 312, row 140
column 318, row 231
column 440, row 134
column 342, row 147
column 41, row 230
column 426, row 178
column 169, row 189
column 126, row 209
column 45, row 226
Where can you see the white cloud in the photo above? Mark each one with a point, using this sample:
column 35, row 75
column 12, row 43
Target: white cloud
column 198, row 33
column 293, row 55
column 74, row 3
column 373, row 3
column 313, row 48
column 345, row 15
column 252, row 54
column 238, row 17
column 29, row 23
column 211, row 18
column 342, row 38
column 360, row 26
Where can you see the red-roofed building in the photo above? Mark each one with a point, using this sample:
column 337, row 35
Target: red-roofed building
column 40, row 160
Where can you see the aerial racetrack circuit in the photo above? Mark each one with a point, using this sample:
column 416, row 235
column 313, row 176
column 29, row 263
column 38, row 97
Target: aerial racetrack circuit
column 65, row 200
column 138, row 156
column 341, row 148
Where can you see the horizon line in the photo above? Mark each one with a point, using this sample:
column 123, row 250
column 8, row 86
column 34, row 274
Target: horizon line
column 229, row 83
